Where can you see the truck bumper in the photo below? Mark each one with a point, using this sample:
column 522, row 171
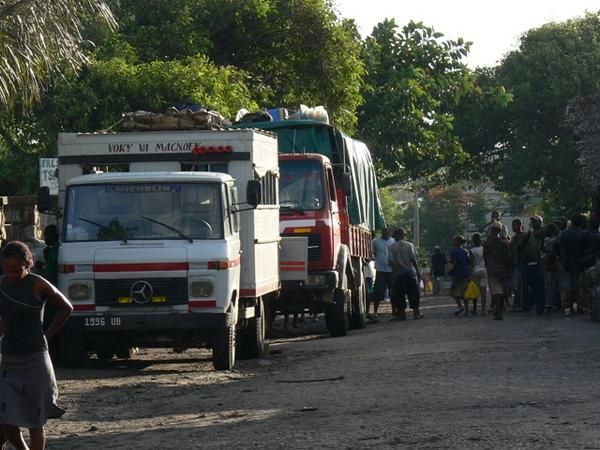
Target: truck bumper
column 100, row 323
column 315, row 281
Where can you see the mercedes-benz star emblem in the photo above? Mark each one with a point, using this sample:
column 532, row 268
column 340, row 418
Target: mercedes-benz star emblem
column 141, row 292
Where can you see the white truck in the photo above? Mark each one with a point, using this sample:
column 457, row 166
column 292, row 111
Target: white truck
column 157, row 250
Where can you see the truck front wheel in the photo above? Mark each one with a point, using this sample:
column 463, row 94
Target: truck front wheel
column 224, row 348
column 336, row 314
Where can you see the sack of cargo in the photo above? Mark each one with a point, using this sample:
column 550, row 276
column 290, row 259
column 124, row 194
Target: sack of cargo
column 173, row 120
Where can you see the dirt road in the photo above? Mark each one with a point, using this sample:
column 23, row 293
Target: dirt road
column 443, row 382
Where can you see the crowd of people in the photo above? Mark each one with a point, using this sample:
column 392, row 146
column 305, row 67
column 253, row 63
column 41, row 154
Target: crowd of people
column 397, row 274
column 544, row 268
column 540, row 269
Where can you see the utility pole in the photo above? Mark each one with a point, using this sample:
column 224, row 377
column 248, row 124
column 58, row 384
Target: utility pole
column 416, row 225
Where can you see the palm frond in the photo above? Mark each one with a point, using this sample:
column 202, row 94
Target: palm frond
column 38, row 38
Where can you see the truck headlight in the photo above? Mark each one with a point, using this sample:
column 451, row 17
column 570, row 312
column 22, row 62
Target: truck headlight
column 315, row 280
column 79, row 291
column 202, row 288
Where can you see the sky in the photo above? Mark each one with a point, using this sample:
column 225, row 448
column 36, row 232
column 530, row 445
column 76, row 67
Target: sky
column 494, row 27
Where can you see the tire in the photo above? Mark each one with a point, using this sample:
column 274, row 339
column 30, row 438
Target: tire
column 124, row 352
column 337, row 314
column 105, row 353
column 251, row 340
column 72, row 349
column 359, row 306
column 224, row 348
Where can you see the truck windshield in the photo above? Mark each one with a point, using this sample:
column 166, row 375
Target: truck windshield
column 301, row 185
column 143, row 211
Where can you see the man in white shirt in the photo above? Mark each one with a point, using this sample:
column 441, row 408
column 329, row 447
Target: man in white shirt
column 383, row 270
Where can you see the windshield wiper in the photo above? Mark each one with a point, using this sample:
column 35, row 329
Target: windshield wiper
column 169, row 227
column 292, row 209
column 105, row 228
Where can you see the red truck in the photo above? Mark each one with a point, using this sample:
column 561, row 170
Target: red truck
column 328, row 194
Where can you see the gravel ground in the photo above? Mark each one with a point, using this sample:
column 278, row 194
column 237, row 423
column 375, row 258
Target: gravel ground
column 527, row 382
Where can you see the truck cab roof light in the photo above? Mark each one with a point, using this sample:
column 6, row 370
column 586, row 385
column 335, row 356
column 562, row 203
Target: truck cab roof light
column 211, row 149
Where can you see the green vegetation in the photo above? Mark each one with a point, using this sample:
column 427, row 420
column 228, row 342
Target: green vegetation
column 405, row 90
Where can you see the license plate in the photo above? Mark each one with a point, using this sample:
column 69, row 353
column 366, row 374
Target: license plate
column 96, row 322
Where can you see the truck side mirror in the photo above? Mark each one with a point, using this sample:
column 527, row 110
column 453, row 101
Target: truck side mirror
column 254, row 193
column 43, row 199
column 346, row 183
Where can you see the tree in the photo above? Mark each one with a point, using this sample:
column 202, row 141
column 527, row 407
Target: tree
column 396, row 214
column 40, row 39
column 413, row 84
column 297, row 51
column 442, row 216
column 96, row 99
column 529, row 144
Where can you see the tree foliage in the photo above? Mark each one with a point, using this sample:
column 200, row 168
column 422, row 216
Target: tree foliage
column 297, row 51
column 39, row 39
column 442, row 216
column 413, row 84
column 528, row 144
column 226, row 55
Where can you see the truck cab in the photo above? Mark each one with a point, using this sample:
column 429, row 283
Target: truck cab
column 155, row 258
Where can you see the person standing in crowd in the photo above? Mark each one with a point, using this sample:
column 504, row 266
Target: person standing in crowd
column 517, row 285
column 51, row 274
column 459, row 262
column 549, row 266
column 437, row 269
column 36, row 247
column 496, row 255
column 529, row 251
column 567, row 246
column 495, row 217
column 383, row 271
column 51, row 254
column 478, row 272
column 406, row 275
column 369, row 273
column 28, row 385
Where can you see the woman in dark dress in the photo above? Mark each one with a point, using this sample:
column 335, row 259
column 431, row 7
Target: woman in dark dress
column 28, row 390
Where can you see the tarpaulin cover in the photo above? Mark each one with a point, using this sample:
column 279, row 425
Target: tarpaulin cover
column 307, row 136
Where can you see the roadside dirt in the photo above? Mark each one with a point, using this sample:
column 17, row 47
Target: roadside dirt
column 443, row 382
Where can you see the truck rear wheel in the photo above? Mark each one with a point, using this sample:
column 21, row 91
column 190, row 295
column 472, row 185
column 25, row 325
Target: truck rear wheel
column 336, row 314
column 251, row 339
column 124, row 351
column 105, row 353
column 72, row 350
column 359, row 305
column 224, row 348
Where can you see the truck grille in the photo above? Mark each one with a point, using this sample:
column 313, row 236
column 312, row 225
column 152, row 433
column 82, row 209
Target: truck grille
column 169, row 291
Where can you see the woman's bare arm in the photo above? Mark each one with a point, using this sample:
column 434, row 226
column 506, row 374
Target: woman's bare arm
column 44, row 290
